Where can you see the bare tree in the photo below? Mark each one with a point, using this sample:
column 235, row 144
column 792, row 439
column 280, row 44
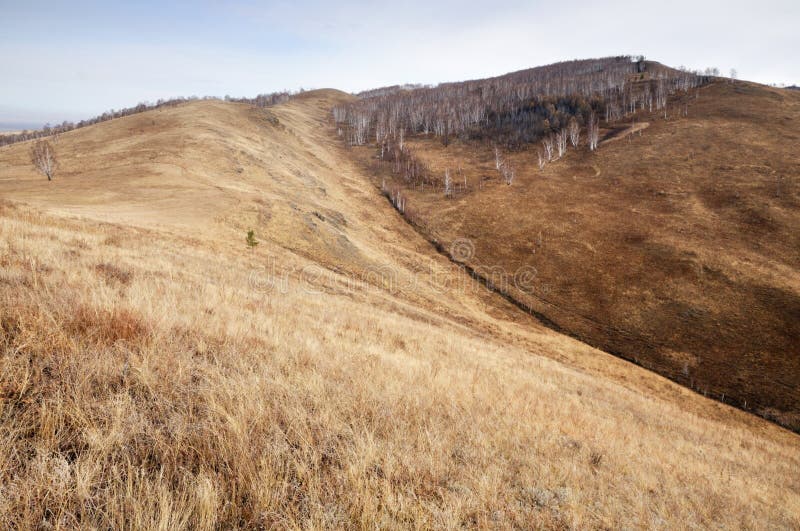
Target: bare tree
column 44, row 158
column 547, row 144
column 542, row 159
column 734, row 74
column 398, row 200
column 561, row 142
column 508, row 174
column 574, row 132
column 505, row 169
column 498, row 159
column 593, row 132
column 448, row 183
column 360, row 129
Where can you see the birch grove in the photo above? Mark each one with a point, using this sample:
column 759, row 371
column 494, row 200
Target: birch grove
column 517, row 109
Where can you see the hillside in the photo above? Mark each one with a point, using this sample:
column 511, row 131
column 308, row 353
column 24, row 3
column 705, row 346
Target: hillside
column 674, row 245
column 157, row 373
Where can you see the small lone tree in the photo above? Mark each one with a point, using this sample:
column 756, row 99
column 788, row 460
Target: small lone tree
column 251, row 239
column 44, row 158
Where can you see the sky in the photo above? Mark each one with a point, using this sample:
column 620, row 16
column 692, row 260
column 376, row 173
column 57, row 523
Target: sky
column 68, row 60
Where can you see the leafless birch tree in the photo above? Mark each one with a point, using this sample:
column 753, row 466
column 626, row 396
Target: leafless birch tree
column 593, row 132
column 547, row 144
column 498, row 159
column 574, row 132
column 508, row 174
column 561, row 142
column 44, row 158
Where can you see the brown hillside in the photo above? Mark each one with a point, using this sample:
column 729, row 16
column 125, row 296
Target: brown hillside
column 676, row 245
column 157, row 373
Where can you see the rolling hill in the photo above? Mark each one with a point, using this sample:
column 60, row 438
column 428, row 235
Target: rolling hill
column 156, row 372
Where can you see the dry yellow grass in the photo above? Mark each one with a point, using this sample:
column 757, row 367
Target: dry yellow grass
column 150, row 378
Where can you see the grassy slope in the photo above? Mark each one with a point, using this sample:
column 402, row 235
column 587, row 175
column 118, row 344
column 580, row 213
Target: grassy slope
column 676, row 247
column 151, row 376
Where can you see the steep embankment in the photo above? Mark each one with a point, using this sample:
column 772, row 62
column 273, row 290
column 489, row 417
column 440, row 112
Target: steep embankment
column 157, row 373
column 675, row 246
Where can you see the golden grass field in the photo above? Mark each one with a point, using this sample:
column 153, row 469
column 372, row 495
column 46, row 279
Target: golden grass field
column 156, row 373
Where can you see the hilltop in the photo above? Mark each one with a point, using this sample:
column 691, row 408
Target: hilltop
column 157, row 372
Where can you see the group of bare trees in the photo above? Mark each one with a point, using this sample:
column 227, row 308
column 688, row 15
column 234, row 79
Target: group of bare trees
column 517, row 108
column 574, row 132
column 411, row 171
column 396, row 197
column 505, row 168
column 552, row 105
column 404, row 163
column 264, row 100
column 554, row 145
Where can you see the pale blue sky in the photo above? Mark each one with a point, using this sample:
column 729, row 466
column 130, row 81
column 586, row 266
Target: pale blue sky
column 76, row 59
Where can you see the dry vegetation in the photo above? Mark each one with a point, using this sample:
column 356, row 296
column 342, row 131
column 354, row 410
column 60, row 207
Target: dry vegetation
column 149, row 380
column 675, row 245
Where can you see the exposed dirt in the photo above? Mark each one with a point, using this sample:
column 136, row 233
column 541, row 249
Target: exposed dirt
column 620, row 133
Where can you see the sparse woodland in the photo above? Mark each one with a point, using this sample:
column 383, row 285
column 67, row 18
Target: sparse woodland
column 547, row 107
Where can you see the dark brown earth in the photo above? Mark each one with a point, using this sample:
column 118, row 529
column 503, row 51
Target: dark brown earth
column 676, row 245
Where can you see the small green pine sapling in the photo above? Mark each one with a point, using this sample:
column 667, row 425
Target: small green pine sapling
column 251, row 239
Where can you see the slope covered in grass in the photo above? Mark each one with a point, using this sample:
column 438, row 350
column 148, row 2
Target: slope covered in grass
column 157, row 373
